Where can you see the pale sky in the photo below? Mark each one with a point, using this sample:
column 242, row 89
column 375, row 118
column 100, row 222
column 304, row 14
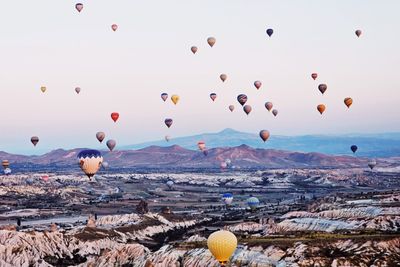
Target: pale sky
column 48, row 43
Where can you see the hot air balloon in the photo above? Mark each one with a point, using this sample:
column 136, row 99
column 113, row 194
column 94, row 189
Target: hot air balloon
column 253, row 202
column 223, row 165
column 228, row 162
column 5, row 163
column 45, row 177
column 268, row 106
column 115, row 116
column 372, row 164
column 257, row 84
column 111, row 144
column 34, row 140
column 7, row 171
column 100, row 136
column 354, row 148
column 223, row 77
column 231, row 108
column 170, row 184
column 264, row 134
column 213, row 96
column 175, row 99
column 275, row 112
column 321, row 108
column 222, row 244
column 201, row 145
column 105, row 165
column 90, row 161
column 43, row 89
column 114, row 27
column 348, row 101
column 211, row 41
column 164, row 96
column 193, row 49
column 270, row 32
column 77, row 90
column 314, row 76
column 322, row 88
column 247, row 109
column 167, row 138
column 242, row 99
column 227, row 198
column 358, row 33
column 168, row 122
column 79, row 7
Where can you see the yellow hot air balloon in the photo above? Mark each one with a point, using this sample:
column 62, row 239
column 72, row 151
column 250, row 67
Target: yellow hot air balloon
column 175, row 99
column 222, row 244
column 43, row 89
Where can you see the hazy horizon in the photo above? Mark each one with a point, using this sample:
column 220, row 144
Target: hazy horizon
column 47, row 43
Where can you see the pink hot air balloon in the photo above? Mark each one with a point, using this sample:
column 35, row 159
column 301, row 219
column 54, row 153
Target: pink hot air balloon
column 257, row 84
column 231, row 108
column 268, row 106
column 213, row 96
column 314, row 76
column 45, row 177
column 79, row 7
column 114, row 27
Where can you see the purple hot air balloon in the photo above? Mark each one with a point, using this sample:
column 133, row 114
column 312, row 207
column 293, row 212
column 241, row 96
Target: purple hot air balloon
column 270, row 32
column 168, row 122
column 242, row 99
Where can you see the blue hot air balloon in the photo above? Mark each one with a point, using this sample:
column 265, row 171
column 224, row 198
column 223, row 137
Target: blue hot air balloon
column 227, row 198
column 253, row 202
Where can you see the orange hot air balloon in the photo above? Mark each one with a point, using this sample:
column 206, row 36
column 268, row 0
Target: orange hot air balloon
column 257, row 84
column 193, row 49
column 321, row 108
column 314, row 76
column 348, row 101
column 175, row 99
column 115, row 116
column 264, row 134
column 223, row 77
column 222, row 244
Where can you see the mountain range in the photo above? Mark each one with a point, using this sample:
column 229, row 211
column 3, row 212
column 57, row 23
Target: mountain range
column 369, row 145
column 243, row 150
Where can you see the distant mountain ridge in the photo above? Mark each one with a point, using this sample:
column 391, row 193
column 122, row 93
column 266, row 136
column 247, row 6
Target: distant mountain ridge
column 369, row 145
column 175, row 157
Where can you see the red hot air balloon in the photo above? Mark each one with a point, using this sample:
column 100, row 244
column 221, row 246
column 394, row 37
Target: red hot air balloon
column 114, row 27
column 257, row 84
column 314, row 76
column 321, row 108
column 79, row 7
column 115, row 116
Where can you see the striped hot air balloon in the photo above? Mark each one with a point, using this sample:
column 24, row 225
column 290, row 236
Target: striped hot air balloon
column 90, row 161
